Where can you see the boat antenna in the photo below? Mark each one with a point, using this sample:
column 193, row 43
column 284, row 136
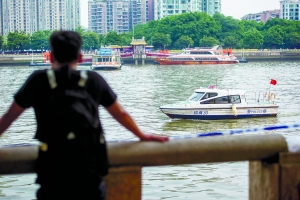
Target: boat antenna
column 269, row 92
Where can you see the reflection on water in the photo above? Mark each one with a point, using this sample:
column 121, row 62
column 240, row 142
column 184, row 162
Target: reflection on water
column 204, row 126
column 141, row 90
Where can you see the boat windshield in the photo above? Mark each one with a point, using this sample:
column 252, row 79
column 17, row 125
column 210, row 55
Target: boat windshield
column 196, row 96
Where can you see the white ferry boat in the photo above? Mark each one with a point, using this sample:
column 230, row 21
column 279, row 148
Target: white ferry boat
column 200, row 56
column 212, row 103
column 106, row 59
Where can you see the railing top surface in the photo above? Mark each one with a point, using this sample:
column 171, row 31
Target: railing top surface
column 21, row 159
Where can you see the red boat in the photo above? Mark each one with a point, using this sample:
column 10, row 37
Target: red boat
column 200, row 56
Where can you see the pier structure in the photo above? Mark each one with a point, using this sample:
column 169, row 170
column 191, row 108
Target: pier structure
column 139, row 50
column 274, row 173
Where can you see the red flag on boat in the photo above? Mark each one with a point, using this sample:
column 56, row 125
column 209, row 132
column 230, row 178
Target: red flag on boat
column 273, row 82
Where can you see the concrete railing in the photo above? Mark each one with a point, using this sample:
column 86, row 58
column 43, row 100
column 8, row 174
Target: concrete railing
column 273, row 172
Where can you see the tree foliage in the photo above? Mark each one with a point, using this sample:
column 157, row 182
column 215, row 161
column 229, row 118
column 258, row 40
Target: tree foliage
column 208, row 41
column 80, row 30
column 113, row 38
column 90, row 40
column 293, row 40
column 184, row 41
column 253, row 39
column 18, row 40
column 161, row 40
column 274, row 37
column 230, row 41
column 179, row 31
column 40, row 40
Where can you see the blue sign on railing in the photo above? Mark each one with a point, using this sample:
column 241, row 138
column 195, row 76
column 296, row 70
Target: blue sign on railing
column 105, row 52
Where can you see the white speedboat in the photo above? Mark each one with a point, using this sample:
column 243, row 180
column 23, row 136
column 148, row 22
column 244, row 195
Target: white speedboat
column 106, row 59
column 212, row 103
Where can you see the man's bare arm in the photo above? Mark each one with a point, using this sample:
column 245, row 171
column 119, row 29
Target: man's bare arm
column 122, row 116
column 10, row 116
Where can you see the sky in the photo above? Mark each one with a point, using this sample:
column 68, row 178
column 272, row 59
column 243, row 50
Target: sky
column 234, row 8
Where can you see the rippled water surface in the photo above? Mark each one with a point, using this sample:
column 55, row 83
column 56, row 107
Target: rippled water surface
column 141, row 90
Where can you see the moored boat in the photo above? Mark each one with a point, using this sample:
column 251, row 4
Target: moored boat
column 106, row 59
column 243, row 60
column 47, row 63
column 42, row 64
column 212, row 104
column 200, row 56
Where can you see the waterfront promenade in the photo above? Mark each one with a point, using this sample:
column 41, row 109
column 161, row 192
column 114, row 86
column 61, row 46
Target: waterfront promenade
column 250, row 55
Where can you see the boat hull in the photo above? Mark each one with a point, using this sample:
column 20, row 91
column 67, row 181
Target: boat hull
column 221, row 113
column 106, row 67
column 243, row 61
column 37, row 64
column 196, row 62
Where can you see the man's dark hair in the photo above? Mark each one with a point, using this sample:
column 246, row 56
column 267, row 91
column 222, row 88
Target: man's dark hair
column 65, row 46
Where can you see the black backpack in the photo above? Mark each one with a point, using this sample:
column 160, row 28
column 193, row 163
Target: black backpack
column 78, row 139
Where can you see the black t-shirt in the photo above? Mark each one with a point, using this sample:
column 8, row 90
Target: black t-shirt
column 36, row 93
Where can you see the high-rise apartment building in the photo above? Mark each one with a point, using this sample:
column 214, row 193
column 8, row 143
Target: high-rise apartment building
column 116, row 15
column 34, row 15
column 163, row 8
column 211, row 6
column 262, row 16
column 289, row 9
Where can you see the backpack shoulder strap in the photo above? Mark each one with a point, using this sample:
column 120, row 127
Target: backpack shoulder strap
column 51, row 78
column 83, row 78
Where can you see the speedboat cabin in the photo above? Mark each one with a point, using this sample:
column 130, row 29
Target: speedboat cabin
column 208, row 96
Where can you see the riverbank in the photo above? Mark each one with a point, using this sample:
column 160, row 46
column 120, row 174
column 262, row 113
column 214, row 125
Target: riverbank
column 251, row 56
column 25, row 60
column 269, row 56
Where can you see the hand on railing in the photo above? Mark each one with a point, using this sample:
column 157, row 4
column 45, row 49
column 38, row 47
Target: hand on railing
column 152, row 137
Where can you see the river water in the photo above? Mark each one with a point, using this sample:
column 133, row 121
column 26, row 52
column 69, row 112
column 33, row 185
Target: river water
column 141, row 90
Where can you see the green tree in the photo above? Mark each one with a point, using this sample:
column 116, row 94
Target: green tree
column 274, row 37
column 18, row 40
column 2, row 42
column 112, row 38
column 229, row 26
column 247, row 25
column 90, row 40
column 101, row 39
column 39, row 40
column 80, row 30
column 208, row 41
column 293, row 40
column 240, row 44
column 277, row 21
column 196, row 25
column 192, row 24
column 253, row 39
column 183, row 42
column 126, row 39
column 230, row 41
column 137, row 31
column 161, row 40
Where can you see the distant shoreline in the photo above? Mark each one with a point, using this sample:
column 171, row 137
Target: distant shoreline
column 254, row 56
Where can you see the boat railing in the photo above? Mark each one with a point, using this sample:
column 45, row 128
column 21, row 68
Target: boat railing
column 258, row 98
column 106, row 63
column 265, row 97
column 213, row 48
